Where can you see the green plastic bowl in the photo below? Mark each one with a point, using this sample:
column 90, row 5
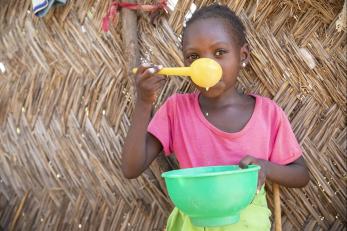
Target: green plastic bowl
column 212, row 196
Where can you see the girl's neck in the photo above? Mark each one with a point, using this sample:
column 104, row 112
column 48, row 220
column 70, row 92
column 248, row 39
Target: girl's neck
column 227, row 99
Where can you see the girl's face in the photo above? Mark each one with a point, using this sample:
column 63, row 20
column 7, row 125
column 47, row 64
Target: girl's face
column 213, row 38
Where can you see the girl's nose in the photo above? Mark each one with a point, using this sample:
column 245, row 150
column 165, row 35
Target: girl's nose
column 210, row 56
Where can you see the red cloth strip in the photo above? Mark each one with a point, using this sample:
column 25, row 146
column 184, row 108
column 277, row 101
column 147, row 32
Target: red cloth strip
column 116, row 6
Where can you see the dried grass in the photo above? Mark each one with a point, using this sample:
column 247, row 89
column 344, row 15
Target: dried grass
column 65, row 104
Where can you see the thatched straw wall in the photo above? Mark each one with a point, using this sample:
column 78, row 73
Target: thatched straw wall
column 65, row 104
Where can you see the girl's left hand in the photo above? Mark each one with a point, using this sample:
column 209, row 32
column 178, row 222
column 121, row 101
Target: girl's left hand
column 263, row 168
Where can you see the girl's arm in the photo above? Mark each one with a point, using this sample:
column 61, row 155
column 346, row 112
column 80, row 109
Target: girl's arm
column 293, row 175
column 140, row 147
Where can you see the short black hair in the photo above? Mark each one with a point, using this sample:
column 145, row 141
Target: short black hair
column 223, row 12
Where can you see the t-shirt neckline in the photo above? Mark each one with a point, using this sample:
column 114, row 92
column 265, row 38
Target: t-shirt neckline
column 220, row 132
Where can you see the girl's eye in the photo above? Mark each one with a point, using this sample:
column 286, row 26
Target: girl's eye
column 220, row 52
column 193, row 57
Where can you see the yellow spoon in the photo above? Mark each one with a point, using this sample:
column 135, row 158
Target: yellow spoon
column 204, row 72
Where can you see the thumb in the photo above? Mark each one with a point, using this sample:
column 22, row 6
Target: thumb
column 245, row 161
column 261, row 179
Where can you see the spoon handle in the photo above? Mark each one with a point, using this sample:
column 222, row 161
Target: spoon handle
column 180, row 71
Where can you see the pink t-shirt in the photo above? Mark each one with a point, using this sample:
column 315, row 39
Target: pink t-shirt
column 182, row 129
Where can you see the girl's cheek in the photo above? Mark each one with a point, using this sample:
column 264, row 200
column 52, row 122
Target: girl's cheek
column 188, row 62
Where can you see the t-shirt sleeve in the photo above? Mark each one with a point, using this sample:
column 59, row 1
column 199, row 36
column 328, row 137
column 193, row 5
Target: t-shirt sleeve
column 286, row 148
column 160, row 125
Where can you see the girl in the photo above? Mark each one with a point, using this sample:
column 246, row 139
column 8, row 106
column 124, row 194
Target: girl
column 216, row 127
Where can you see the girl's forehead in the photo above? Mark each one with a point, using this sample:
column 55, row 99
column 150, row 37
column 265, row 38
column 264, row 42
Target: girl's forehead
column 209, row 29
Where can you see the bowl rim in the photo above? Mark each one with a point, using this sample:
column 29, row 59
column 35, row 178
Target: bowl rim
column 250, row 168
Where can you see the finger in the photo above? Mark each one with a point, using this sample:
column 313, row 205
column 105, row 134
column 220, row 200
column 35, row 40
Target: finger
column 158, row 85
column 244, row 162
column 144, row 76
column 261, row 182
column 261, row 178
column 156, row 68
column 160, row 79
column 149, row 72
column 151, row 83
column 142, row 68
column 150, row 78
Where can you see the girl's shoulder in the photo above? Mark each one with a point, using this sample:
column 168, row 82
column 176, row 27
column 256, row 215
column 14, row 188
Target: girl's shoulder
column 267, row 103
column 269, row 109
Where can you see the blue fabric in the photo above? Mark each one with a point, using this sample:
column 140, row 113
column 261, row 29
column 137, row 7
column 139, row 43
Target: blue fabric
column 41, row 8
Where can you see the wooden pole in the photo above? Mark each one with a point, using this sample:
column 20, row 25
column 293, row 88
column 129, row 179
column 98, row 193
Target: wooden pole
column 130, row 38
column 19, row 211
column 277, row 206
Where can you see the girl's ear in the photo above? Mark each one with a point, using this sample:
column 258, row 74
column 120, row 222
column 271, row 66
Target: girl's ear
column 245, row 54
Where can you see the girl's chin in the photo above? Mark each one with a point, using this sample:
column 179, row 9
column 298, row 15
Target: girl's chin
column 211, row 93
column 215, row 91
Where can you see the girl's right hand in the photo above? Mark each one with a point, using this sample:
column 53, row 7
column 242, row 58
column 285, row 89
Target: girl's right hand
column 247, row 160
column 147, row 82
